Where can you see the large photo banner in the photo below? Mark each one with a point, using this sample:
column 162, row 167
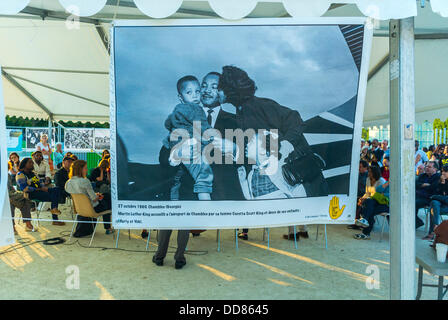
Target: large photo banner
column 236, row 124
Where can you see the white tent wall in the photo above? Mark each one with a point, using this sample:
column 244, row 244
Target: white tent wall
column 430, row 86
column 65, row 69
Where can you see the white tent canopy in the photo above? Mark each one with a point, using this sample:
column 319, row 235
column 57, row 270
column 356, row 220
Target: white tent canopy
column 52, row 71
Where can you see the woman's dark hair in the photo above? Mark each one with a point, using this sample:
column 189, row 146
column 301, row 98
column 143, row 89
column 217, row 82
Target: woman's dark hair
column 236, row 85
column 376, row 172
column 14, row 154
column 364, row 163
column 104, row 163
column 23, row 163
column 445, row 168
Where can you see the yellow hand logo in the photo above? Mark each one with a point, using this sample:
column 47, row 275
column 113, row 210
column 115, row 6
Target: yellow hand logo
column 334, row 210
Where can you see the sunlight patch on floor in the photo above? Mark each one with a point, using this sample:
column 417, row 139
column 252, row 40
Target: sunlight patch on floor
column 355, row 275
column 279, row 282
column 216, row 272
column 104, row 294
column 279, row 271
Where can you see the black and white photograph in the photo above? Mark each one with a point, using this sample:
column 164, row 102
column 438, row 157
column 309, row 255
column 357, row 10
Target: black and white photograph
column 239, row 113
column 33, row 136
column 284, row 88
column 102, row 139
column 78, row 139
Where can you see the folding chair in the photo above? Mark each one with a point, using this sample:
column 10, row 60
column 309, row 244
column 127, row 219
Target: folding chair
column 83, row 207
column 427, row 210
column 385, row 216
column 39, row 204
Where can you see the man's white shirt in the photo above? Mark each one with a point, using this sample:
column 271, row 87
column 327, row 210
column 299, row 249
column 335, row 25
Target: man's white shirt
column 214, row 114
column 42, row 169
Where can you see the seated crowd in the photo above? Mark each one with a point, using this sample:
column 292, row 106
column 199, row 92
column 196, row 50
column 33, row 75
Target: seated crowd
column 31, row 180
column 431, row 188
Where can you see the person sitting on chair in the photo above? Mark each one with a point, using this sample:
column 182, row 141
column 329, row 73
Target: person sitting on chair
column 61, row 177
column 377, row 204
column 13, row 165
column 439, row 203
column 79, row 184
column 34, row 189
column 41, row 167
column 425, row 187
column 100, row 176
column 18, row 200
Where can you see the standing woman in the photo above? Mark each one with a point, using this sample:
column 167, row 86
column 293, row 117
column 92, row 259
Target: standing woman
column 45, row 148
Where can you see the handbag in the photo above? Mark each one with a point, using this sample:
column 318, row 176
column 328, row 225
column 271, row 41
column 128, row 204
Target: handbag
column 301, row 167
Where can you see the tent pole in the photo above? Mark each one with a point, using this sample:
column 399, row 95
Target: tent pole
column 50, row 133
column 402, row 188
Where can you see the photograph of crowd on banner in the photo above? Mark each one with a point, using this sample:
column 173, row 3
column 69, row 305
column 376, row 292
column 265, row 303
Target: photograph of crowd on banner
column 78, row 139
column 218, row 126
column 102, row 139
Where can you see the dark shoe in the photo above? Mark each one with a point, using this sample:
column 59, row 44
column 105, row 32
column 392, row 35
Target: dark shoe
column 145, row 234
column 243, row 236
column 179, row 264
column 196, row 235
column 303, row 234
column 157, row 262
column 361, row 236
column 353, row 227
column 418, row 223
column 58, row 223
column 291, row 236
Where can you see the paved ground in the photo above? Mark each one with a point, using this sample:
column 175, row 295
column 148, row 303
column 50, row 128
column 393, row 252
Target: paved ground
column 253, row 271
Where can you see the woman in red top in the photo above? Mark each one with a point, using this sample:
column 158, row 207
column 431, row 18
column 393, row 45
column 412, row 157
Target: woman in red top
column 385, row 173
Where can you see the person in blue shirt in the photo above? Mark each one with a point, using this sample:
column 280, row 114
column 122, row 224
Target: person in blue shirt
column 58, row 155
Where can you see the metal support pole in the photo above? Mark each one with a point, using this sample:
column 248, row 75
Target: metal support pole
column 50, row 133
column 402, row 200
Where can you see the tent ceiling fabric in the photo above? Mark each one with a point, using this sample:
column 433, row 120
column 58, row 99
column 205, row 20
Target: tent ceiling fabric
column 236, row 9
column 64, row 71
